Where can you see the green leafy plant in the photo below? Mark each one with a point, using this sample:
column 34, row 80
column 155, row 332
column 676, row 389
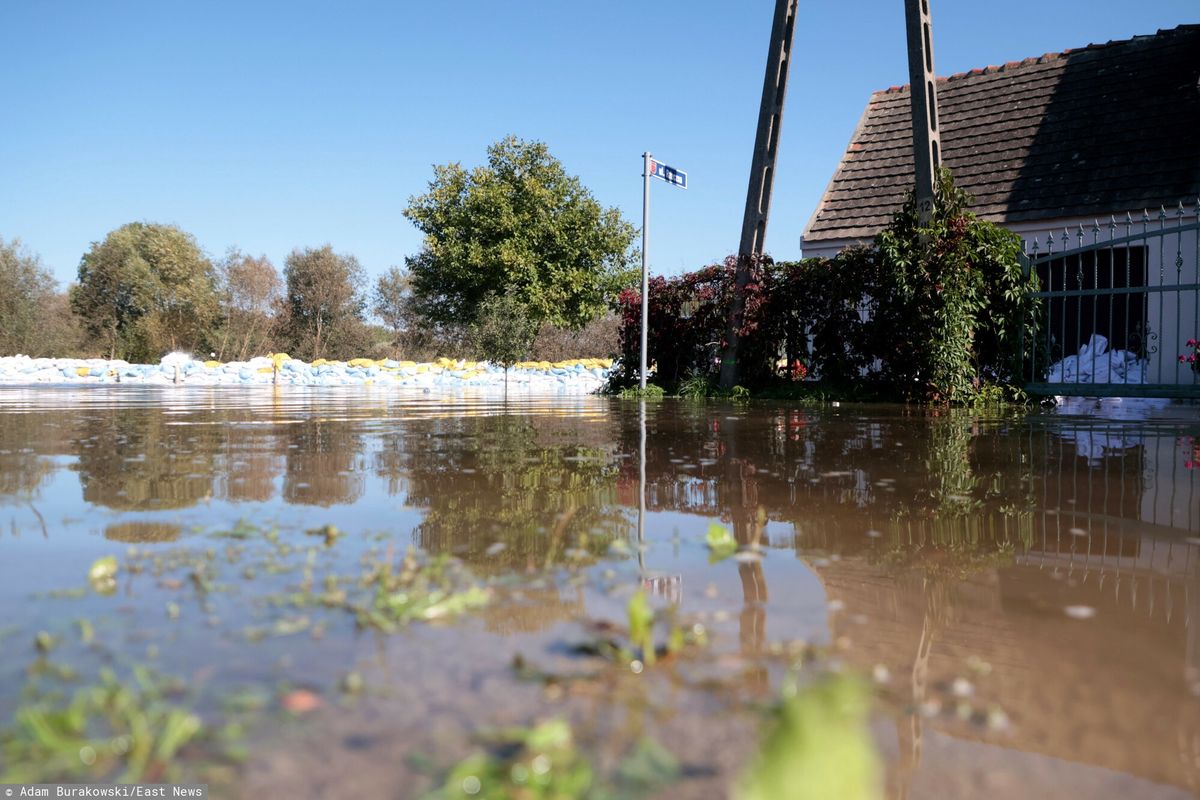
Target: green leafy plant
column 651, row 392
column 539, row 763
column 110, row 731
column 818, row 748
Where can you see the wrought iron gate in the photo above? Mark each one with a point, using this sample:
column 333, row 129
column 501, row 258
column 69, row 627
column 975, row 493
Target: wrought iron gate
column 1118, row 308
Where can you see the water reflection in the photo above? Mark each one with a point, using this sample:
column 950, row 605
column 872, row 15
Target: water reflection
column 1024, row 582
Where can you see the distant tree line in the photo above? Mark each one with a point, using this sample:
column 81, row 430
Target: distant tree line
column 516, row 252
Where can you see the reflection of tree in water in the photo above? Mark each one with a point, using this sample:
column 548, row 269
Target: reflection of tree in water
column 248, row 464
column 134, row 459
column 530, row 610
column 142, row 532
column 27, row 443
column 325, row 465
column 540, row 486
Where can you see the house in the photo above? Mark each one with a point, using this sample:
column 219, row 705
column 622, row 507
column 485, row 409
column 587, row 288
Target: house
column 1063, row 145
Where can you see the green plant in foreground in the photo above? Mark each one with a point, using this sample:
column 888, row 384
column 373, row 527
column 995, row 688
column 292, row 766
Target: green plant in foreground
column 641, row 627
column 110, row 731
column 818, row 748
column 543, row 764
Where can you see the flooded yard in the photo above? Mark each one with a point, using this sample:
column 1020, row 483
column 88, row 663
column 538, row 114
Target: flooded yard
column 334, row 592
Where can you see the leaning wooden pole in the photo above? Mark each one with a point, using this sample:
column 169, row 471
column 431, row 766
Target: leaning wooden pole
column 927, row 153
column 762, row 175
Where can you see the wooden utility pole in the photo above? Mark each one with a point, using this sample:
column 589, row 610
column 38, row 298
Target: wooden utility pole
column 922, row 90
column 762, row 174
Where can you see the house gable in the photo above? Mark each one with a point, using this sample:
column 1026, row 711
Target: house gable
column 1084, row 132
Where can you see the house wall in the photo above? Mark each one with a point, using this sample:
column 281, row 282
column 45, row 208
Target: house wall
column 1172, row 318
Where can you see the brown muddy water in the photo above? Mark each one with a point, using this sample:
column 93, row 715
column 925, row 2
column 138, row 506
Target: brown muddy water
column 1018, row 593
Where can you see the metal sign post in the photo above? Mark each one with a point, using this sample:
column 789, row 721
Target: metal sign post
column 675, row 177
column 645, row 273
column 762, row 175
column 923, row 101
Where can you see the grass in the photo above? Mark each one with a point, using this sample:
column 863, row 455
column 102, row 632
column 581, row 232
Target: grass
column 125, row 731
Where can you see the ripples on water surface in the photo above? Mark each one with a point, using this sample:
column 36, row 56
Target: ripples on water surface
column 1022, row 589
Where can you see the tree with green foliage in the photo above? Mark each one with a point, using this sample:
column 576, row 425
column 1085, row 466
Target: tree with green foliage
column 323, row 305
column 518, row 225
column 503, row 333
column 26, row 291
column 250, row 289
column 146, row 290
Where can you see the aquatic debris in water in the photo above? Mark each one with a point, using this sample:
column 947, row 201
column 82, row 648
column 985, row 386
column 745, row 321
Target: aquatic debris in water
column 300, row 701
column 103, row 575
column 1080, row 612
column 110, row 731
column 818, row 748
column 721, row 544
column 329, row 533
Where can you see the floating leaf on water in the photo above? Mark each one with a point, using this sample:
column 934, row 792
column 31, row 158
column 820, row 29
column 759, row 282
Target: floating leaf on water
column 102, row 575
column 329, row 533
column 352, row 683
column 44, row 642
column 720, row 541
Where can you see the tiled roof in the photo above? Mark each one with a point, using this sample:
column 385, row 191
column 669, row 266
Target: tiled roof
column 1103, row 129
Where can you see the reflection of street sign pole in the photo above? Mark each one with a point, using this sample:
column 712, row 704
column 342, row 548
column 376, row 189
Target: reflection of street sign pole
column 651, row 169
column 642, row 486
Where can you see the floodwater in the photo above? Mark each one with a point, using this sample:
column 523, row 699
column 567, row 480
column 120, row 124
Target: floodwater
column 1019, row 591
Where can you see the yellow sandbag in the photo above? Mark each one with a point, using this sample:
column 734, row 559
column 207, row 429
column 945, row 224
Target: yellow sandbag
column 320, row 362
column 265, row 370
column 212, row 364
column 407, row 363
column 82, row 372
column 360, row 362
column 422, row 369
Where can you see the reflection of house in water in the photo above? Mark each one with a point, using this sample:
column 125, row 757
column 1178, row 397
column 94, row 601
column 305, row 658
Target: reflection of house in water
column 1112, row 691
column 983, row 534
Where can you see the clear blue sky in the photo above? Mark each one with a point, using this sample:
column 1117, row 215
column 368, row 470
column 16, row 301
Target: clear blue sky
column 275, row 125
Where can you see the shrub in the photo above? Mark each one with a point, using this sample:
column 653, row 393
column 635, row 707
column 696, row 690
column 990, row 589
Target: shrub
column 928, row 313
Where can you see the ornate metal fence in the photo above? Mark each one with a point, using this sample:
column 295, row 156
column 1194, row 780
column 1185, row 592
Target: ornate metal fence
column 1119, row 306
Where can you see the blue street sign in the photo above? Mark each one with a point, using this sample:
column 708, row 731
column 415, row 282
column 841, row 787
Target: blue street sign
column 671, row 175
